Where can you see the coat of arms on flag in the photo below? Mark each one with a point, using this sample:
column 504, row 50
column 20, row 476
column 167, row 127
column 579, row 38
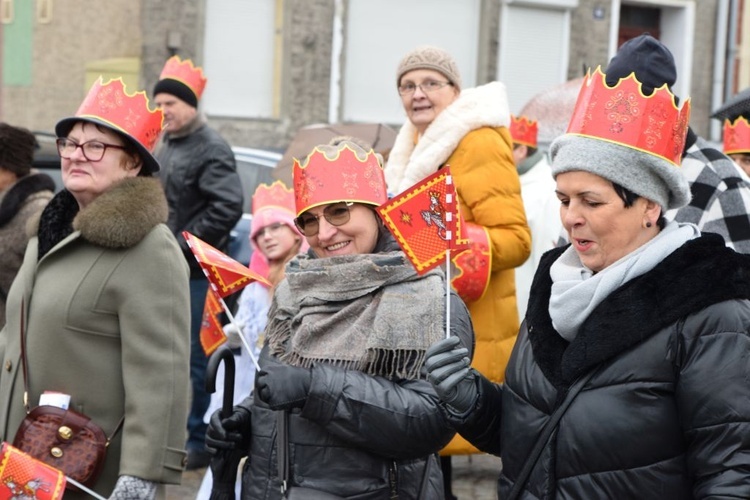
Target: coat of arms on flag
column 425, row 221
column 225, row 274
column 212, row 333
column 24, row 477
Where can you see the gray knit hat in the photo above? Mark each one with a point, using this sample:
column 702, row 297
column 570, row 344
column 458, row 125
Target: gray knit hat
column 429, row 57
column 645, row 174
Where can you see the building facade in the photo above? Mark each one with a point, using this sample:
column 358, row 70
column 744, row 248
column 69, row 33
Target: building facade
column 276, row 65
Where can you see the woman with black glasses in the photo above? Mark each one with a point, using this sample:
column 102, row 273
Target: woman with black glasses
column 341, row 368
column 101, row 302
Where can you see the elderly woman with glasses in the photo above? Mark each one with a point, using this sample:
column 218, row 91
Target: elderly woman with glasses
column 341, row 368
column 467, row 129
column 101, row 301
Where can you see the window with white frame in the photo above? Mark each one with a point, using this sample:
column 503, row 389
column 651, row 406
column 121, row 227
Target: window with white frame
column 379, row 33
column 534, row 46
column 238, row 58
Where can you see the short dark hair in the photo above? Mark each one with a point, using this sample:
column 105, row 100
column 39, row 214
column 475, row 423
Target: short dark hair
column 629, row 198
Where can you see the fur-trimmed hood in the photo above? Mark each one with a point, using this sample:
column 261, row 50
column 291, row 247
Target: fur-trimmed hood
column 674, row 289
column 483, row 106
column 118, row 218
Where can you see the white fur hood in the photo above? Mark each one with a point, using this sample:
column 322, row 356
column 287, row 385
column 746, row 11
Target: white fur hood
column 483, row 106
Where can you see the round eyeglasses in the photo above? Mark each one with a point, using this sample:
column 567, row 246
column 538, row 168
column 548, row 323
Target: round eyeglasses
column 427, row 87
column 336, row 214
column 92, row 150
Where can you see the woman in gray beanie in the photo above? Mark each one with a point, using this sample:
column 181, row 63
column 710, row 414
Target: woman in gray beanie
column 23, row 195
column 467, row 129
column 630, row 375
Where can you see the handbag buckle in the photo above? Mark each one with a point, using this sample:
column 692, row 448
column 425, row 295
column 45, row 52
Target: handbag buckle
column 65, row 432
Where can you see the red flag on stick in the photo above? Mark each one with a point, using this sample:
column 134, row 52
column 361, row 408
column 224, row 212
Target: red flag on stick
column 425, row 220
column 211, row 334
column 225, row 274
column 22, row 476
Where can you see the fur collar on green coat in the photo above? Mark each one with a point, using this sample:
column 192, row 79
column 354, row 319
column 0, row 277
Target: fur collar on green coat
column 118, row 218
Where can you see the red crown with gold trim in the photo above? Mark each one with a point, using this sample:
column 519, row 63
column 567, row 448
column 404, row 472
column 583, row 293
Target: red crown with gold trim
column 185, row 72
column 276, row 196
column 326, row 179
column 524, row 130
column 736, row 136
column 129, row 113
column 624, row 115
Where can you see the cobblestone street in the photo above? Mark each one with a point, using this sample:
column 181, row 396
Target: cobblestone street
column 474, row 478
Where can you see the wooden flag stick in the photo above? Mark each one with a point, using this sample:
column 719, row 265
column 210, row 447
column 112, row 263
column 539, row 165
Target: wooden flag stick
column 448, row 292
column 242, row 336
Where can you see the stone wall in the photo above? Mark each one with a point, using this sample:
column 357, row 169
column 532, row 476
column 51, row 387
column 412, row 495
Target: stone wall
column 80, row 31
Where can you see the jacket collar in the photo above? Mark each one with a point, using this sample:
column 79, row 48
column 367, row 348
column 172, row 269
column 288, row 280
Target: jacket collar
column 483, row 106
column 675, row 288
column 119, row 218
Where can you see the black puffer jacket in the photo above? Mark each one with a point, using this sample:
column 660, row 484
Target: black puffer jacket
column 202, row 186
column 359, row 436
column 667, row 412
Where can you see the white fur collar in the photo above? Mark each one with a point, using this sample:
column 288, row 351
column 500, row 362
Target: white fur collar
column 483, row 106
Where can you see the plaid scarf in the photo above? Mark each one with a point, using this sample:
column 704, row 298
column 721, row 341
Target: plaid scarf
column 370, row 313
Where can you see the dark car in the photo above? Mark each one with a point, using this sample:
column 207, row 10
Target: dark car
column 255, row 166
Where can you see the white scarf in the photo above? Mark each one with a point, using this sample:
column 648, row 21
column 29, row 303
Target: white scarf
column 576, row 290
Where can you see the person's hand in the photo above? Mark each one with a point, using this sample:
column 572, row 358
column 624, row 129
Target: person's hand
column 449, row 372
column 233, row 333
column 283, row 387
column 231, row 433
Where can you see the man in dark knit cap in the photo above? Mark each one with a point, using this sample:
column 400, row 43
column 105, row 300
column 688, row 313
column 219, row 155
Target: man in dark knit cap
column 204, row 194
column 720, row 193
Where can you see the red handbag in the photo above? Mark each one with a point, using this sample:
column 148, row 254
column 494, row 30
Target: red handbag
column 65, row 439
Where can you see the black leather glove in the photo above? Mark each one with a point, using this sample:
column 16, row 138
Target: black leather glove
column 231, row 433
column 283, row 387
column 449, row 372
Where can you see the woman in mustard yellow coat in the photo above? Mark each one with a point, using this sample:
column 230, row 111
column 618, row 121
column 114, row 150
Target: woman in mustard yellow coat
column 467, row 130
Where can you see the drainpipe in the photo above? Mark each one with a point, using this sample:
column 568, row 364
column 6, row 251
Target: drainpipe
column 731, row 47
column 721, row 66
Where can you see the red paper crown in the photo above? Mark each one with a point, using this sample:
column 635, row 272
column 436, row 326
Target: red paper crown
column 276, row 196
column 524, row 130
column 624, row 115
column 128, row 113
column 185, row 72
column 345, row 177
column 736, row 136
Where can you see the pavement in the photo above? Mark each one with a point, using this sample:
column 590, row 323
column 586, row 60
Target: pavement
column 474, row 478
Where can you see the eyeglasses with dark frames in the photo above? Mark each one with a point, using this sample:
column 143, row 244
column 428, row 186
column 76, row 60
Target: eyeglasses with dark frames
column 427, row 87
column 92, row 150
column 336, row 214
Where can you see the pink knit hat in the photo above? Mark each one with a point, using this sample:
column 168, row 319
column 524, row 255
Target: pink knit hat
column 271, row 204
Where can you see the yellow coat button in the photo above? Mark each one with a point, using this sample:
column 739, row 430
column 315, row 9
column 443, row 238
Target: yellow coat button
column 8, row 365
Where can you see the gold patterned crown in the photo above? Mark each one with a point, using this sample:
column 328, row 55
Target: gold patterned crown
column 524, row 130
column 332, row 174
column 276, row 196
column 109, row 104
column 186, row 73
column 624, row 115
column 736, row 136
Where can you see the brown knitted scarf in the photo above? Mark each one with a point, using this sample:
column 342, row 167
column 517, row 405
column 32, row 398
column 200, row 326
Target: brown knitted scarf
column 370, row 313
